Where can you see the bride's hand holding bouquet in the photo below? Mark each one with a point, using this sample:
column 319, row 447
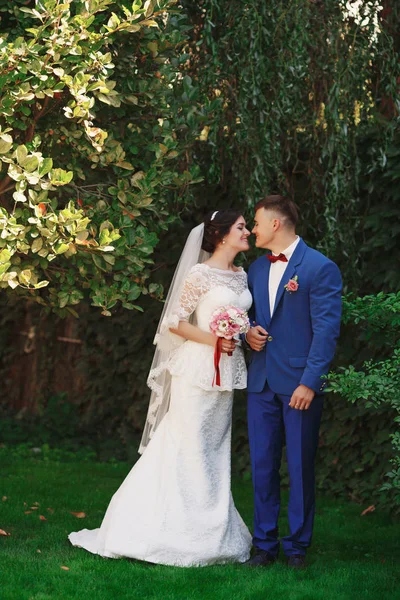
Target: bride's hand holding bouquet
column 227, row 322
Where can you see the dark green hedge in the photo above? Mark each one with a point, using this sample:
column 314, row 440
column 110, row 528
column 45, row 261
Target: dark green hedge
column 106, row 398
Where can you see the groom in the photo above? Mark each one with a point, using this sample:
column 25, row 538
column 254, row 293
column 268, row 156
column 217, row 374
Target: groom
column 296, row 319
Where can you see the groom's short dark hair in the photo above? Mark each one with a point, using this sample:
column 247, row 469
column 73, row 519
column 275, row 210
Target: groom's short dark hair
column 282, row 205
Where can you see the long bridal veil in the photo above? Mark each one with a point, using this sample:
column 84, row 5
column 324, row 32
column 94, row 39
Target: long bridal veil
column 159, row 379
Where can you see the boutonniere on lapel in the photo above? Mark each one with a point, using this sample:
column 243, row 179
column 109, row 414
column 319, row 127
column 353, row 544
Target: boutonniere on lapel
column 292, row 285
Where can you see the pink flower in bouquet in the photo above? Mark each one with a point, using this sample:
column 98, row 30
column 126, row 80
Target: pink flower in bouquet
column 229, row 321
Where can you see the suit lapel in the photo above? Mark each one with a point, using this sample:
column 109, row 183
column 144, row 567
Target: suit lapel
column 265, row 292
column 290, row 271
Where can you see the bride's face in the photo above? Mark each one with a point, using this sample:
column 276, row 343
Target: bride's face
column 238, row 235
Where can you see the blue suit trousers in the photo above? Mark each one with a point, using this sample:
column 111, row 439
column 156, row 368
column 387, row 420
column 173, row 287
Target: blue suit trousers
column 270, row 422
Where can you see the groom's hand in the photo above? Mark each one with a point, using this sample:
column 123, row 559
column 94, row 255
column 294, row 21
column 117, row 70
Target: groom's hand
column 302, row 398
column 256, row 337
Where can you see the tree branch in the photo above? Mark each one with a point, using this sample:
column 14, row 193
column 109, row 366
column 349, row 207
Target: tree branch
column 31, row 129
column 4, row 201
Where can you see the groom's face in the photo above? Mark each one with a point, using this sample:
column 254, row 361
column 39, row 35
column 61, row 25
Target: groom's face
column 265, row 226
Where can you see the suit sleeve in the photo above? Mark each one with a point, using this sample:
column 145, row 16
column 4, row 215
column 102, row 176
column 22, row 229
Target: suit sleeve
column 326, row 310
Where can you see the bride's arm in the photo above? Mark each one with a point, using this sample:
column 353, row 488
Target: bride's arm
column 195, row 285
column 193, row 333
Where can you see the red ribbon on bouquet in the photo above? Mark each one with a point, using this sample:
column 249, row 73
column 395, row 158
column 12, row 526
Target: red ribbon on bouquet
column 217, row 357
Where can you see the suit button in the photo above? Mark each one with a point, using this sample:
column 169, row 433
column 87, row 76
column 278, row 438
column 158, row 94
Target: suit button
column 269, row 338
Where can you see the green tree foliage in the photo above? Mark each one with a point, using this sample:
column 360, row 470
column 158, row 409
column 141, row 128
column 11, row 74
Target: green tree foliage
column 376, row 385
column 93, row 136
column 301, row 84
column 378, row 239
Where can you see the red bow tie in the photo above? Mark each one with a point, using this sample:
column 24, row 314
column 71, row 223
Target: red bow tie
column 272, row 258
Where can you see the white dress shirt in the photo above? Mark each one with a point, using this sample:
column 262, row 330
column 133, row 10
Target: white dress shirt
column 276, row 272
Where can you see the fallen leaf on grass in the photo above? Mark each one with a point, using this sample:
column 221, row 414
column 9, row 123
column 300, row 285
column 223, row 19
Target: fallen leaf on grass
column 38, row 551
column 368, row 510
column 2, row 532
column 4, row 498
column 28, row 512
column 65, row 568
column 78, row 515
column 51, row 510
column 33, row 507
column 42, row 518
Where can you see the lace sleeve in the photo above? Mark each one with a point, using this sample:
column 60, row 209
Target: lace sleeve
column 196, row 284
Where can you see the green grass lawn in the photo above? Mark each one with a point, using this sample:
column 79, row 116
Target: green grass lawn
column 352, row 556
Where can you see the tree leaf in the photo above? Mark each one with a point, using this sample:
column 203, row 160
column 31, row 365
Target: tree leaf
column 22, row 154
column 41, row 284
column 61, row 247
column 31, row 164
column 123, row 164
column 37, row 244
column 19, row 197
column 149, row 7
column 6, row 143
column 25, row 276
column 45, row 166
column 60, row 177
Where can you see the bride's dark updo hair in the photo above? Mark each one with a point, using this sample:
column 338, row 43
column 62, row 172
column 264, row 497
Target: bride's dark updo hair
column 215, row 230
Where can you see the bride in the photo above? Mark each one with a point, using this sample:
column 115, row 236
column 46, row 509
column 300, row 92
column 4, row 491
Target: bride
column 175, row 507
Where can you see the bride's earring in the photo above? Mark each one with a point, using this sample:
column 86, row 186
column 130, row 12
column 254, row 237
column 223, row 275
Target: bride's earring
column 223, row 241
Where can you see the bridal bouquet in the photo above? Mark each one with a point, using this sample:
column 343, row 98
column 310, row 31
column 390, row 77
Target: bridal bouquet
column 227, row 322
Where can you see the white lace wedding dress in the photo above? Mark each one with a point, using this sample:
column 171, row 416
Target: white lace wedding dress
column 175, row 506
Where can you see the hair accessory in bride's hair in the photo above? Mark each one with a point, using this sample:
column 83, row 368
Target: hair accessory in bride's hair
column 214, row 215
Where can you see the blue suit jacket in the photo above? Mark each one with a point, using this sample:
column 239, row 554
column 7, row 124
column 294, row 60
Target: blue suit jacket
column 305, row 324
